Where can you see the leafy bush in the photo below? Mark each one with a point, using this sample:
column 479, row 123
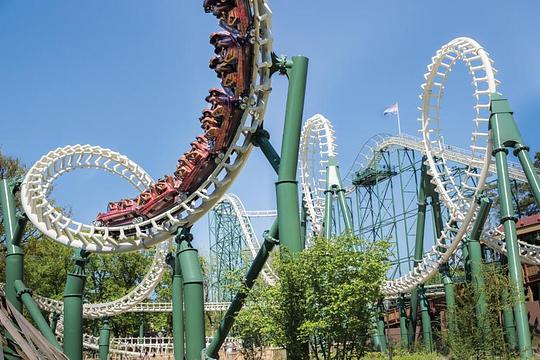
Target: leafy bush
column 321, row 303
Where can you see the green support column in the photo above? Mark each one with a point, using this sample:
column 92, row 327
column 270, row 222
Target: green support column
column 141, row 332
column 427, row 335
column 54, row 321
column 510, row 332
column 303, row 223
column 404, row 338
column 380, row 329
column 474, row 250
column 236, row 305
column 178, row 307
column 334, row 186
column 449, row 287
column 73, row 307
column 25, row 295
column 13, row 229
column 418, row 295
column 104, row 337
column 287, row 185
column 261, row 139
column 327, row 226
column 505, row 134
column 188, row 257
column 375, row 336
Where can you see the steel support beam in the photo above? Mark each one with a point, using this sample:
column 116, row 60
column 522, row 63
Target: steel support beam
column 475, row 264
column 404, row 338
column 334, row 187
column 262, row 139
column 380, row 329
column 254, row 270
column 25, row 295
column 449, row 287
column 104, row 338
column 427, row 334
column 73, row 307
column 510, row 331
column 190, row 267
column 418, row 298
column 13, row 230
column 287, row 185
column 505, row 134
column 178, row 307
column 327, row 226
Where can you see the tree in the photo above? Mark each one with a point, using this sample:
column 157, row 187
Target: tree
column 321, row 302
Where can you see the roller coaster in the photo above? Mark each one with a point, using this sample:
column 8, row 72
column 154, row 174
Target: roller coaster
column 389, row 183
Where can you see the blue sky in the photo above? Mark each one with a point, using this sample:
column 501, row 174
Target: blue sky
column 132, row 76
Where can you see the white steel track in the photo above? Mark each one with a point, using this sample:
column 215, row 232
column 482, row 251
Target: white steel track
column 249, row 234
column 317, row 145
column 60, row 227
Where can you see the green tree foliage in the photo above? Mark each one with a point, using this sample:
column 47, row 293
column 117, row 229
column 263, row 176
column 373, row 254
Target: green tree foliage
column 110, row 277
column 321, row 303
column 473, row 338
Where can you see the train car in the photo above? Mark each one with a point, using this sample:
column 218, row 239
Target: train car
column 118, row 213
column 164, row 194
column 232, row 65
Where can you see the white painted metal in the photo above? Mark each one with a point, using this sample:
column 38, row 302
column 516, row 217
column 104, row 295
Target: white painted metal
column 249, row 234
column 459, row 198
column 317, row 145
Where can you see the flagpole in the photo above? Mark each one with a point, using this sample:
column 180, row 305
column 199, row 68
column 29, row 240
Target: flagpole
column 398, row 121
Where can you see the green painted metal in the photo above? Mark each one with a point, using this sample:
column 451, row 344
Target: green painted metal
column 287, row 185
column 303, row 222
column 380, row 329
column 270, row 240
column 327, row 226
column 505, row 134
column 73, row 307
column 334, row 187
column 54, row 321
column 522, row 153
column 404, row 338
column 25, row 295
column 104, row 338
column 141, row 329
column 193, row 294
column 418, row 298
column 449, row 287
column 178, row 307
column 427, row 335
column 474, row 260
column 13, row 229
column 262, row 140
column 510, row 331
column 375, row 336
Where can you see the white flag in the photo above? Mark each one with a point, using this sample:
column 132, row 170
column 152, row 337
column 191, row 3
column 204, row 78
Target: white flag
column 392, row 109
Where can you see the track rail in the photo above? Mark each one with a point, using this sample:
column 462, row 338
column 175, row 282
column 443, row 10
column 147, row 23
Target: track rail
column 317, row 145
column 60, row 227
column 249, row 234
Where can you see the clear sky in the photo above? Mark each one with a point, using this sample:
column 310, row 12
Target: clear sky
column 132, row 75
